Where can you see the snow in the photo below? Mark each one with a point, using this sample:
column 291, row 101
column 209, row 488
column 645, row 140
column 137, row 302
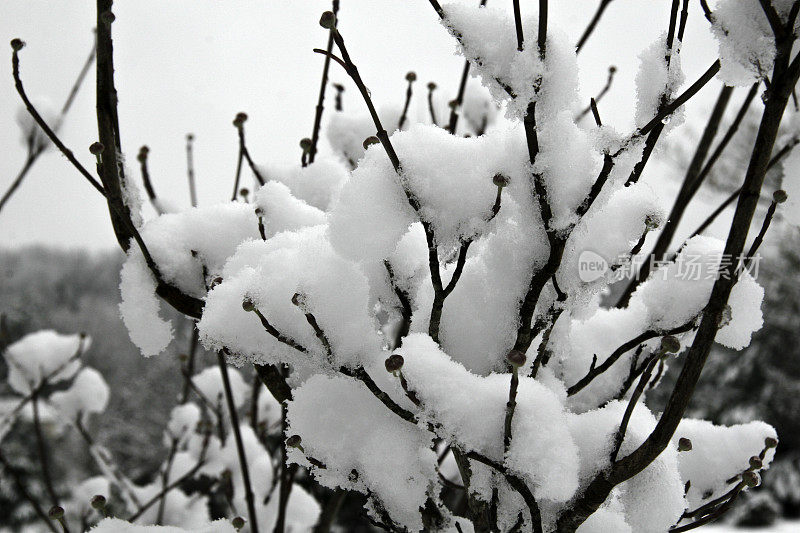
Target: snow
column 140, row 307
column 655, row 81
column 746, row 317
column 333, row 289
column 115, row 525
column 88, row 394
column 469, row 410
column 209, row 383
column 317, row 184
column 44, row 354
column 83, row 493
column 346, row 133
column 746, row 42
column 183, row 420
column 719, row 453
column 346, row 428
column 283, row 212
column 32, row 135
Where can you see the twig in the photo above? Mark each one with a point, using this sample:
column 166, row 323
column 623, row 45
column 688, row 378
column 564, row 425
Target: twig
column 592, row 25
column 405, row 307
column 459, row 100
column 611, row 72
column 47, row 130
column 411, row 77
column 312, row 152
column 41, row 446
column 237, row 434
column 24, row 492
column 637, row 393
column 624, row 348
column 287, row 474
column 190, row 169
column 431, row 110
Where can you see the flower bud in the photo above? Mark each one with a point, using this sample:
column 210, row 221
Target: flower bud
column 56, row 512
column 651, row 222
column 143, row 151
column 237, row 523
column 190, row 136
column 244, row 191
column 411, row 76
column 756, row 463
column 98, row 502
column 452, row 104
column 516, row 358
column 108, row 17
column 216, row 281
column 369, row 141
column 294, row 441
column 240, row 119
column 305, row 144
column 328, row 20
column 770, row 442
column 501, row 180
column 431, row 86
column 670, row 344
column 96, row 148
column 779, row 196
column 248, row 305
column 17, row 44
column 299, row 299
column 612, row 69
column 394, row 362
column 751, row 479
column 684, row 444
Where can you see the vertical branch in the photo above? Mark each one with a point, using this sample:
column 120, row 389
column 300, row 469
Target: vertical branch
column 312, row 152
column 190, row 169
column 41, row 447
column 592, row 25
column 237, row 434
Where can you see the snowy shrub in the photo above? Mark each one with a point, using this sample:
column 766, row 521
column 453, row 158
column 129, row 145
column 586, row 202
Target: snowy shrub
column 424, row 309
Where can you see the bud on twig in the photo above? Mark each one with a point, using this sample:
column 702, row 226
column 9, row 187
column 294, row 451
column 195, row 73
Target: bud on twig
column 369, row 141
column 142, row 156
column 17, row 44
column 684, row 444
column 237, row 523
column 516, row 358
column 751, row 479
column 97, row 148
column 394, row 362
column 98, row 502
column 294, row 441
column 431, row 86
column 248, row 305
column 328, row 20
column 56, row 512
column 411, row 76
column 244, row 192
column 305, row 144
column 770, row 442
column 299, row 299
column 240, row 119
column 670, row 344
column 756, row 463
column 779, row 196
column 108, row 17
column 501, row 180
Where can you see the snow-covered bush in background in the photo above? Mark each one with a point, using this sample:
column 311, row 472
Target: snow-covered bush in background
column 418, row 308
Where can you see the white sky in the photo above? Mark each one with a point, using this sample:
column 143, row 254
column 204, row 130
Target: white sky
column 189, row 65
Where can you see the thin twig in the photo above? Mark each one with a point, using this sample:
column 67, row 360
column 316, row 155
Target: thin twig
column 190, row 169
column 312, row 152
column 237, row 435
column 23, row 491
column 41, row 446
column 592, row 25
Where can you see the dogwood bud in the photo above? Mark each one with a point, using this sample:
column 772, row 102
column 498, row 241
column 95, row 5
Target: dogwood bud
column 305, row 144
column 684, row 444
column 516, row 358
column 670, row 344
column 328, row 20
column 294, row 441
column 411, row 76
column 98, row 502
column 394, row 362
column 756, row 463
column 751, row 479
column 56, row 512
column 779, row 196
column 17, row 44
column 771, row 442
column 501, row 180
column 96, row 148
column 237, row 523
column 248, row 305
column 369, row 141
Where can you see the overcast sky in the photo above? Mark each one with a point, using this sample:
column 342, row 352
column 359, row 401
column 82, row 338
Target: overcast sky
column 190, row 65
